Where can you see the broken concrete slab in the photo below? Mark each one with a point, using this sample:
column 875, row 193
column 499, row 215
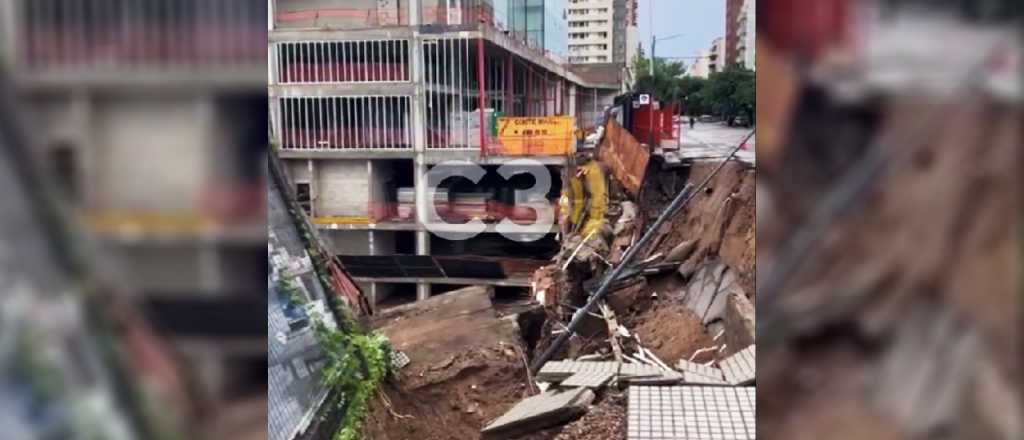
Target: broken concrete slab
column 547, row 409
column 691, row 413
column 558, row 371
column 739, row 321
column 681, row 252
column 698, row 374
column 435, row 333
column 728, row 284
column 704, row 286
column 588, row 379
column 740, row 368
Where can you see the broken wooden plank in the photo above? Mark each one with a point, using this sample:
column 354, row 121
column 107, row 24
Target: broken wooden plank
column 613, row 329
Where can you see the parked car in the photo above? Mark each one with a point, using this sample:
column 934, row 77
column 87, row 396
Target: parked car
column 741, row 121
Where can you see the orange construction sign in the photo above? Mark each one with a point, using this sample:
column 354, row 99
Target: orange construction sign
column 536, row 136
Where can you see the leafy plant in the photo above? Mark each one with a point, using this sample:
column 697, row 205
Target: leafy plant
column 356, row 363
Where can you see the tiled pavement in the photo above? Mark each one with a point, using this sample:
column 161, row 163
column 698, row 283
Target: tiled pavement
column 739, row 369
column 697, row 374
column 589, row 379
column 691, row 413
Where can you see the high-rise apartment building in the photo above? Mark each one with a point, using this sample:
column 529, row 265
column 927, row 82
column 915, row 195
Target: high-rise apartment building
column 539, row 23
column 601, row 31
column 591, row 31
column 716, row 56
column 733, row 11
column 746, row 34
column 740, row 32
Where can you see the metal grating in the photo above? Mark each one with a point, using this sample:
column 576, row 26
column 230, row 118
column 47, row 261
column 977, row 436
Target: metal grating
column 691, row 413
column 739, row 369
column 589, row 379
column 694, row 373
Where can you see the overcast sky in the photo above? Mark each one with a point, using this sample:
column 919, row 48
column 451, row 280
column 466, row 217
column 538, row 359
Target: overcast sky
column 700, row 21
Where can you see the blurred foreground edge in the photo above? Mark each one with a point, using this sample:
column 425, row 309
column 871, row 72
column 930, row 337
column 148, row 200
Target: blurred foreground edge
column 146, row 122
column 889, row 215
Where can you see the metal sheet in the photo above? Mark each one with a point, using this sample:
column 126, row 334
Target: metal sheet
column 625, row 156
column 536, row 136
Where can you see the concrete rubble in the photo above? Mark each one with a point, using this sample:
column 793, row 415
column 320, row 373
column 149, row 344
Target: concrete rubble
column 548, row 408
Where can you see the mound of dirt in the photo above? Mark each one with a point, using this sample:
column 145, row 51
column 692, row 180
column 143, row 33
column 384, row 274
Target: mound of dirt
column 672, row 332
column 481, row 386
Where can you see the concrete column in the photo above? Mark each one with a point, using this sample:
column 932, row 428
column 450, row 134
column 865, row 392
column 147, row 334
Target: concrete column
column 371, row 243
column 83, row 111
column 271, row 12
column 209, row 268
column 419, row 146
column 414, row 13
column 314, row 188
column 422, row 217
column 571, row 111
column 276, row 120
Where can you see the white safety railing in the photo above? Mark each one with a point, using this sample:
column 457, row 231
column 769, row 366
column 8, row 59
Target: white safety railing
column 364, row 61
column 346, row 123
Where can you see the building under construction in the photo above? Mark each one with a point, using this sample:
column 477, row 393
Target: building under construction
column 368, row 97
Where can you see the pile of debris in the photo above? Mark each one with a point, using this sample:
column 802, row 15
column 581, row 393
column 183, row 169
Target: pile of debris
column 690, row 401
column 674, row 281
column 642, row 326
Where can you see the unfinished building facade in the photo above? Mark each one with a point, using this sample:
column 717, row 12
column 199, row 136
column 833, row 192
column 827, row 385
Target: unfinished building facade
column 367, row 98
column 150, row 115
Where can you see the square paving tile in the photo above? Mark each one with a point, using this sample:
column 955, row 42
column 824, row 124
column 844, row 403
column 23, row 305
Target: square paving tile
column 691, row 413
column 548, row 403
column 697, row 374
column 740, row 369
column 588, row 379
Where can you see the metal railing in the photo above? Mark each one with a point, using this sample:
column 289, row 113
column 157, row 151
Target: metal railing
column 342, row 61
column 346, row 123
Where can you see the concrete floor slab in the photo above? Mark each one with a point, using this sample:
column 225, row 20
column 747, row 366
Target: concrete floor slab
column 549, row 407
